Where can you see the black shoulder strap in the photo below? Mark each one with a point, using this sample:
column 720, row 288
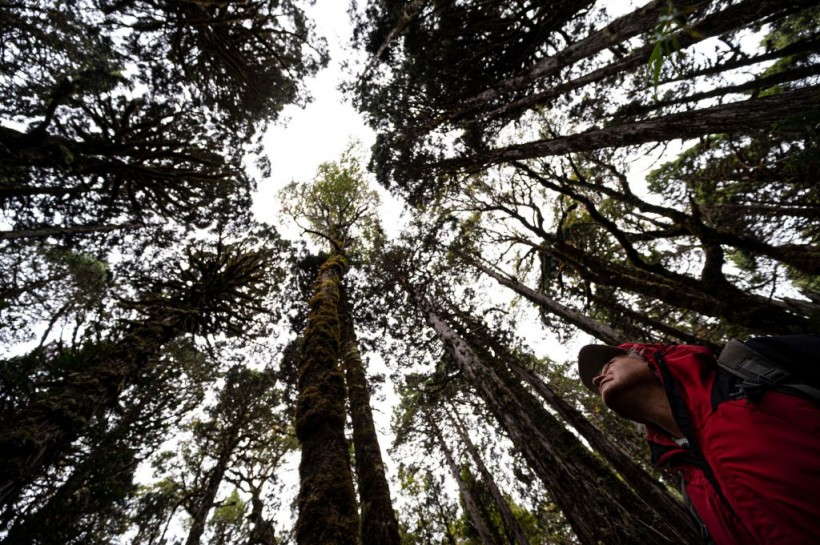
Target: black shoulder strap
column 797, row 354
column 759, row 373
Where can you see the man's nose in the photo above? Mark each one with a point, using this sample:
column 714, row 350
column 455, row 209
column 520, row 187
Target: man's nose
column 596, row 380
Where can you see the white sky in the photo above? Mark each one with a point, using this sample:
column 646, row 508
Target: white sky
column 320, row 132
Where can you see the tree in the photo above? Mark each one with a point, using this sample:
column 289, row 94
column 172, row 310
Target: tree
column 432, row 515
column 513, row 530
column 214, row 292
column 476, row 516
column 89, row 504
column 546, row 144
column 336, row 208
column 243, row 405
column 553, row 452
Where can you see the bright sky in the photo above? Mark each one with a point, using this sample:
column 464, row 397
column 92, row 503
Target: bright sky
column 320, row 132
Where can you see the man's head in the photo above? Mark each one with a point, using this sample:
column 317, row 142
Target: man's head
column 622, row 378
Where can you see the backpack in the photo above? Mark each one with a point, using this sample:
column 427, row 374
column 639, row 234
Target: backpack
column 788, row 364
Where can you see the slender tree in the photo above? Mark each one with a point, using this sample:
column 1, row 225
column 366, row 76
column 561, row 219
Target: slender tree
column 477, row 518
column 243, row 405
column 645, row 486
column 575, row 480
column 514, row 532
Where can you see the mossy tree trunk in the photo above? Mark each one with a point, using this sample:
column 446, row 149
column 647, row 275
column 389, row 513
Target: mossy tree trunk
column 378, row 520
column 326, row 500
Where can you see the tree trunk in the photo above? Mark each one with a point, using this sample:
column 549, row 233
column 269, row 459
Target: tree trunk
column 616, row 32
column 743, row 117
column 205, row 501
column 327, row 501
column 515, row 534
column 749, row 11
column 63, row 231
column 598, row 330
column 597, row 505
column 471, row 507
column 379, row 525
column 644, row 485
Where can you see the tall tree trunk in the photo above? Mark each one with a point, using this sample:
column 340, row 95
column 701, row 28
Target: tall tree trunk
column 598, row 330
column 205, row 500
column 515, row 534
column 71, row 230
column 749, row 11
column 741, row 117
column 327, row 501
column 42, row 431
column 644, row 485
column 474, row 514
column 616, row 32
column 379, row 525
column 597, row 505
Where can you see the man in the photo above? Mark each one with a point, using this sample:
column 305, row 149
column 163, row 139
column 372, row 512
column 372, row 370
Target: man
column 751, row 468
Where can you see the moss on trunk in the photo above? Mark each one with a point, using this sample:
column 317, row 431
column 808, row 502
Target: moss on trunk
column 327, row 501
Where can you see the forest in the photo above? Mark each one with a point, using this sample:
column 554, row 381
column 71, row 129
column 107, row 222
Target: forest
column 173, row 370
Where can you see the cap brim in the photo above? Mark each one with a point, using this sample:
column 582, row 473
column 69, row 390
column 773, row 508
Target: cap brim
column 592, row 358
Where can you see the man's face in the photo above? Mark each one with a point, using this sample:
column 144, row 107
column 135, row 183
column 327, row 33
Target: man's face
column 623, row 376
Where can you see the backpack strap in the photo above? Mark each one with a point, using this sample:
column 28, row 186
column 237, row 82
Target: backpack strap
column 759, row 374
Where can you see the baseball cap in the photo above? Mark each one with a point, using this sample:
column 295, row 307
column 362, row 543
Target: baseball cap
column 592, row 358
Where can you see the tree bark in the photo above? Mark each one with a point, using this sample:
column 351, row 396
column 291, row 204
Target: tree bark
column 474, row 513
column 743, row 117
column 326, row 500
column 378, row 520
column 598, row 506
column 515, row 534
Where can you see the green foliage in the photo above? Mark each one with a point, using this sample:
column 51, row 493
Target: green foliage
column 337, row 206
column 666, row 41
column 230, row 511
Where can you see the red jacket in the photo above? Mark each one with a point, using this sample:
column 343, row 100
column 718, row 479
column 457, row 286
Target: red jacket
column 751, row 470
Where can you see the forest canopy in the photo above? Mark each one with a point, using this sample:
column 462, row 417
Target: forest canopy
column 569, row 171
